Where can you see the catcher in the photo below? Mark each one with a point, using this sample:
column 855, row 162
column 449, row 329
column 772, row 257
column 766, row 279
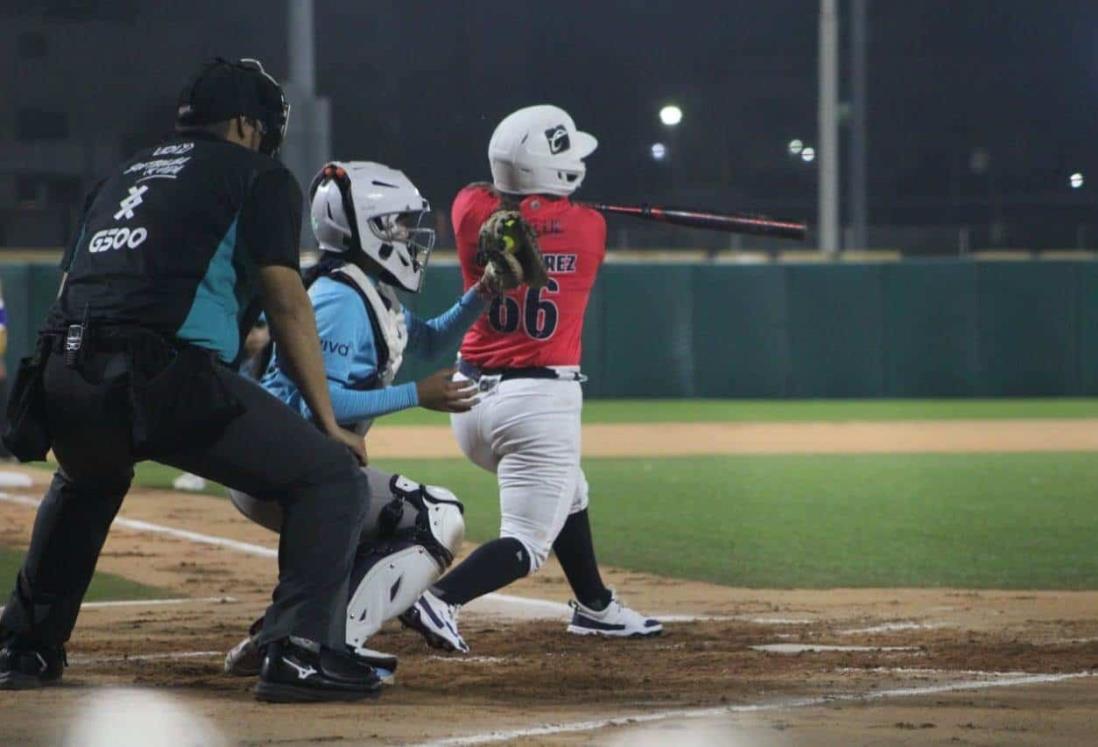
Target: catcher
column 367, row 220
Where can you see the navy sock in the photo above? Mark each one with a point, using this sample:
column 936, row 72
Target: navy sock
column 492, row 566
column 576, row 553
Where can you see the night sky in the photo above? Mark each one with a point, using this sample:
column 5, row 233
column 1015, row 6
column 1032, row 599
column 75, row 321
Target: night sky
column 420, row 85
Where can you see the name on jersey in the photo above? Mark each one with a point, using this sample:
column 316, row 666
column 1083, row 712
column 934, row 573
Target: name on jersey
column 161, row 168
column 342, row 349
column 560, row 263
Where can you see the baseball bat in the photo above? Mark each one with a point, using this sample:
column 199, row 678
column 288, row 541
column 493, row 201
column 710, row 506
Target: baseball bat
column 758, row 225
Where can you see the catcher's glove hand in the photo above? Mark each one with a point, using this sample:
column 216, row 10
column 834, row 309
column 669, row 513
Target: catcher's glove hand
column 509, row 247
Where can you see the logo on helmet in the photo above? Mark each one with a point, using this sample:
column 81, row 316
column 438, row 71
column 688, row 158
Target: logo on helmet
column 558, row 139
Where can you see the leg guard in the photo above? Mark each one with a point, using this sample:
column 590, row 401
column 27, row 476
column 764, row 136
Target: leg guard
column 420, row 530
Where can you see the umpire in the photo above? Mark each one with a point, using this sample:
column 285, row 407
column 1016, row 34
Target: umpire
column 180, row 249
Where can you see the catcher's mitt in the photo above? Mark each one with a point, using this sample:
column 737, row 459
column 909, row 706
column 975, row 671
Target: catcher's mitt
column 509, row 247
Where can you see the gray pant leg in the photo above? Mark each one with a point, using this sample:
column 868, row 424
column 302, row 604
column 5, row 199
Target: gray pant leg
column 268, row 513
column 272, row 451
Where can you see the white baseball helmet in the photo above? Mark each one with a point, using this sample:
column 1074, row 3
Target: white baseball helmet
column 369, row 206
column 538, row 150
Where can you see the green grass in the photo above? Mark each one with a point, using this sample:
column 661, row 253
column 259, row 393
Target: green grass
column 152, row 475
column 104, row 587
column 720, row 410
column 1019, row 521
column 967, row 520
column 160, row 477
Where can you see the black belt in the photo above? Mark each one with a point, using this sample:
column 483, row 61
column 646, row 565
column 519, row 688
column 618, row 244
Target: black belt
column 104, row 338
column 470, row 371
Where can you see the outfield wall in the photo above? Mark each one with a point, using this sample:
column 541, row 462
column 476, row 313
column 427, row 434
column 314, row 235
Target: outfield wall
column 908, row 329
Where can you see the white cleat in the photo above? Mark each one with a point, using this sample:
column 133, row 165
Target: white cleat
column 190, row 483
column 244, row 660
column 616, row 621
column 436, row 621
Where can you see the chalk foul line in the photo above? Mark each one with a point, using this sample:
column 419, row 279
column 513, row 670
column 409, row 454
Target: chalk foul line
column 170, row 656
column 146, row 526
column 550, row 608
column 695, row 713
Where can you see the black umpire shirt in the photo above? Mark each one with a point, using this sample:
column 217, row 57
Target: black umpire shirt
column 172, row 242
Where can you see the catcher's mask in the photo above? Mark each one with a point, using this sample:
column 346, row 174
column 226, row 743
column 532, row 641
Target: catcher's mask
column 375, row 209
column 223, row 89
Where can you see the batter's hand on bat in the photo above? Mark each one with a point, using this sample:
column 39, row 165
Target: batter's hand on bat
column 439, row 392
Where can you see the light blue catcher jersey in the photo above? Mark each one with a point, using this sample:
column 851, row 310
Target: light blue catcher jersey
column 350, row 345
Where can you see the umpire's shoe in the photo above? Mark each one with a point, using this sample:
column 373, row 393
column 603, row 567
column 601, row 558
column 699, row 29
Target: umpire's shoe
column 299, row 671
column 25, row 666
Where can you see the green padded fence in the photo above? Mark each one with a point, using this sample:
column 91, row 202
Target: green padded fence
column 911, row 329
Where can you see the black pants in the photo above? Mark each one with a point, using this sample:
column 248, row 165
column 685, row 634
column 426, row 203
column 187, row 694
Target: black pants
column 269, row 451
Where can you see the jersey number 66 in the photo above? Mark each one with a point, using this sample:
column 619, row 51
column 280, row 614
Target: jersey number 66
column 538, row 316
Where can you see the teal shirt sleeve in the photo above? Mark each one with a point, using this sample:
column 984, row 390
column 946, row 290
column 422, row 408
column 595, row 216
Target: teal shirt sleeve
column 432, row 337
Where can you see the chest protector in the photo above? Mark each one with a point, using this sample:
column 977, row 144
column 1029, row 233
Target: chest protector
column 387, row 317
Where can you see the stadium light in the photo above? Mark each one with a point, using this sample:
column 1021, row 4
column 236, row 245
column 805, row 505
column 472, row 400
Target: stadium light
column 1076, row 180
column 670, row 115
column 795, row 147
column 659, row 151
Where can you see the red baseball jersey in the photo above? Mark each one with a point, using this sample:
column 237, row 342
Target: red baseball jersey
column 530, row 327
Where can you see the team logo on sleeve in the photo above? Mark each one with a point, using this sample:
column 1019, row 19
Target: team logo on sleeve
column 558, row 139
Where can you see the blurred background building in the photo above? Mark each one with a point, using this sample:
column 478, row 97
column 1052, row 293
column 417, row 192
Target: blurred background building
column 979, row 131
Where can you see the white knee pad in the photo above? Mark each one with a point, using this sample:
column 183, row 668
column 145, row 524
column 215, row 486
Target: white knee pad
column 390, row 577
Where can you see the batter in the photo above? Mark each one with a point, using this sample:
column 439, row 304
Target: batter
column 524, row 357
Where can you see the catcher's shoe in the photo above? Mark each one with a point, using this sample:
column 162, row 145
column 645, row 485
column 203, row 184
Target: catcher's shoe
column 616, row 621
column 245, row 658
column 384, row 664
column 24, row 666
column 300, row 671
column 436, row 621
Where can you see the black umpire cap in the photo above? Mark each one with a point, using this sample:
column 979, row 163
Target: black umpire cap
column 223, row 89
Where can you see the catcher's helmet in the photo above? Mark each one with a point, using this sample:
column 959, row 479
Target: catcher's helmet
column 223, row 89
column 373, row 208
column 538, row 150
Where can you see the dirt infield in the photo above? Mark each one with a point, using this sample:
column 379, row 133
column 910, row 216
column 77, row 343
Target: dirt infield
column 735, row 666
column 687, row 439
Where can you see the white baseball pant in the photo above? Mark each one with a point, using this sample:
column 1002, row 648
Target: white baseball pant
column 527, row 431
